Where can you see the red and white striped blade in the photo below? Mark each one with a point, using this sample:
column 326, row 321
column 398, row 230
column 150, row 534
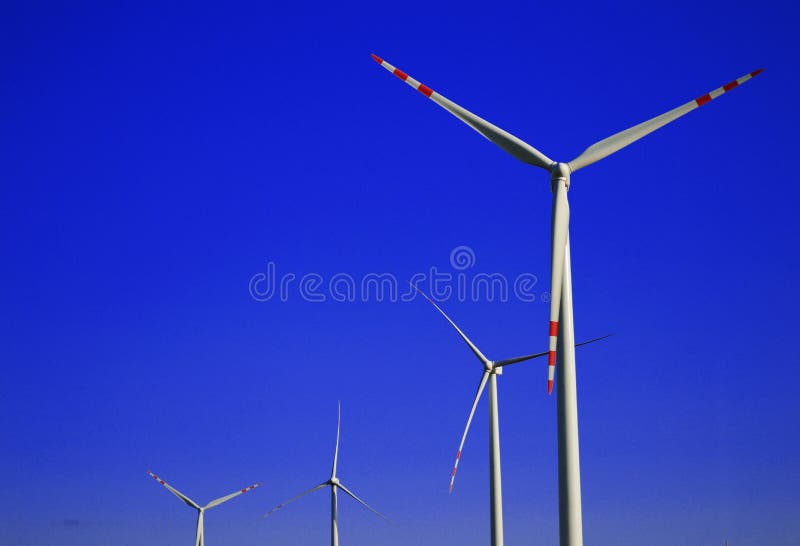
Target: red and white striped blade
column 174, row 491
column 217, row 502
column 503, row 139
column 471, row 345
column 481, row 386
column 558, row 246
column 616, row 142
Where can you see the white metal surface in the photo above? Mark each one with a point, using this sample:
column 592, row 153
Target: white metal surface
column 505, row 140
column 616, row 142
column 559, row 230
column 495, row 482
column 334, row 517
column 569, row 468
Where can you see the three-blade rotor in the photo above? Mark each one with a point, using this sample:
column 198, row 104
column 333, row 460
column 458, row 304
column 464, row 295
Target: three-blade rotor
column 490, row 367
column 213, row 503
column 560, row 175
column 333, row 482
column 199, row 534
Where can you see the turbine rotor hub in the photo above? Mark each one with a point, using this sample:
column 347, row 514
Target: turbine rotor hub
column 559, row 171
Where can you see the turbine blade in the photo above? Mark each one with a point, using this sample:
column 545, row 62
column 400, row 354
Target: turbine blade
column 558, row 248
column 503, row 139
column 336, row 451
column 519, row 359
column 174, row 491
column 472, row 346
column 217, row 502
column 481, row 386
column 616, row 142
column 303, row 494
column 537, row 355
column 593, row 340
column 364, row 504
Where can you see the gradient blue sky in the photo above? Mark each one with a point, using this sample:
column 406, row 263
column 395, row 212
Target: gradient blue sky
column 153, row 159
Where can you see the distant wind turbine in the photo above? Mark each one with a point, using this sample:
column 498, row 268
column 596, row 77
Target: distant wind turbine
column 201, row 509
column 491, row 369
column 334, row 483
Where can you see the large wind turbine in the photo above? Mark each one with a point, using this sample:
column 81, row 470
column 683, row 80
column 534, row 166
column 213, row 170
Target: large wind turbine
column 199, row 541
column 491, row 369
column 561, row 319
column 334, row 483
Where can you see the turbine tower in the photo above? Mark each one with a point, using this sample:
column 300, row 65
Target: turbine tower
column 561, row 333
column 199, row 541
column 491, row 369
column 335, row 484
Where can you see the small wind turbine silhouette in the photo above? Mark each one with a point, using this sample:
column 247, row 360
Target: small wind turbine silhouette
column 335, row 484
column 199, row 541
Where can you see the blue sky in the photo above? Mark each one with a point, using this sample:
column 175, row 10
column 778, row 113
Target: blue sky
column 154, row 160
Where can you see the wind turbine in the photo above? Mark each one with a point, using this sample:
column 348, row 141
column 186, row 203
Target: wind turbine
column 491, row 369
column 199, row 541
column 334, row 483
column 562, row 343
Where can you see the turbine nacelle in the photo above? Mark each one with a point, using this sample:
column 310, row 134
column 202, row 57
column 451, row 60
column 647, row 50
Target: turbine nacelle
column 493, row 368
column 560, row 171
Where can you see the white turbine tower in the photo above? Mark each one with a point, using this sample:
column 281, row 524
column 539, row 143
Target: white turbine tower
column 569, row 489
column 334, row 483
column 491, row 369
column 199, row 541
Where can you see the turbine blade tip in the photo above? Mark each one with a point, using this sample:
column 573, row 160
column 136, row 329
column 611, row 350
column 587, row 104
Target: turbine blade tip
column 376, row 58
column 549, row 386
column 756, row 72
